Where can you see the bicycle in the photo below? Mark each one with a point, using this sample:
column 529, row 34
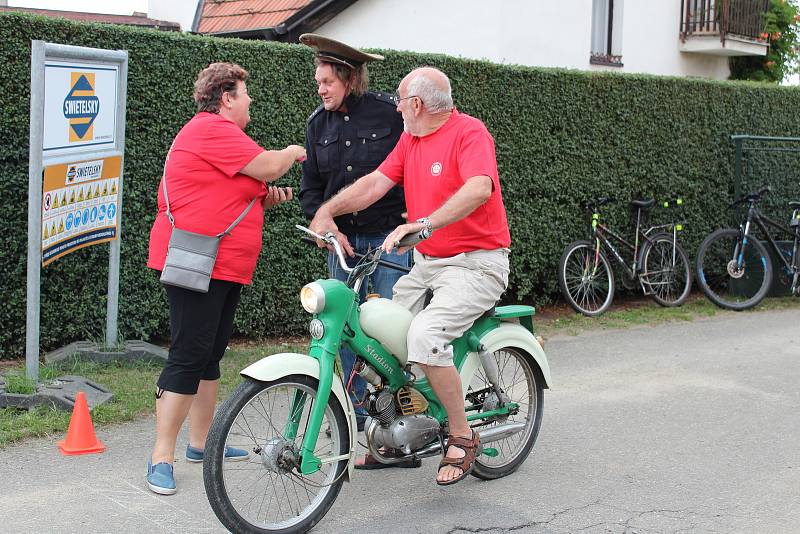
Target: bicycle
column 656, row 260
column 734, row 268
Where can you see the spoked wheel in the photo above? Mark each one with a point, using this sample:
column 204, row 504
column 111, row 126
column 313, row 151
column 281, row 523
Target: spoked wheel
column 586, row 279
column 268, row 493
column 522, row 381
column 666, row 271
column 723, row 280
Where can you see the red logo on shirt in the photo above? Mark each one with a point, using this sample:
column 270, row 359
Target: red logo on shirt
column 436, row 169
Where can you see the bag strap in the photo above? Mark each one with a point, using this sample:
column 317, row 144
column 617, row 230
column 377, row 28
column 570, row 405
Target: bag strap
column 172, row 219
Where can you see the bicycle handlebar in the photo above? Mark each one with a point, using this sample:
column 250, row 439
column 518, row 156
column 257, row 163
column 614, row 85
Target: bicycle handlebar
column 751, row 197
column 597, row 202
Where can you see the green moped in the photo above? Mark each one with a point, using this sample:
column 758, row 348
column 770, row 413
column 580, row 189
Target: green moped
column 293, row 414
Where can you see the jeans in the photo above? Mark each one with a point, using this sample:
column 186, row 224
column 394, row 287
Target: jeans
column 382, row 282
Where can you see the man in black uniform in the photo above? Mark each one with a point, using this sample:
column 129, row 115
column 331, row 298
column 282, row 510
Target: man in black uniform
column 347, row 137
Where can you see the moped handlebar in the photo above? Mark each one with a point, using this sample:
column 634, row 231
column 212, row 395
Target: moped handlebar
column 329, row 239
column 410, row 240
column 384, row 263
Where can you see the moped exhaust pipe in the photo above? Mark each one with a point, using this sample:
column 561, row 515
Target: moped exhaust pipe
column 434, row 449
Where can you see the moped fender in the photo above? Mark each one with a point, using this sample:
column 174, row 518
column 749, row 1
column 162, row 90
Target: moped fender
column 507, row 335
column 277, row 366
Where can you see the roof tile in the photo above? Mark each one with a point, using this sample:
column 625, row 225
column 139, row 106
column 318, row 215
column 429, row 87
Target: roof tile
column 220, row 16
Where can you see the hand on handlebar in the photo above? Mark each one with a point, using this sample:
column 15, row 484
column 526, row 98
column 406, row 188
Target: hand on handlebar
column 404, row 237
column 322, row 224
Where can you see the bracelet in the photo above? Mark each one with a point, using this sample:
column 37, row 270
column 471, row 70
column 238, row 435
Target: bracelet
column 428, row 230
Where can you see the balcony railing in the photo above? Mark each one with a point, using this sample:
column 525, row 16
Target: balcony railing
column 741, row 18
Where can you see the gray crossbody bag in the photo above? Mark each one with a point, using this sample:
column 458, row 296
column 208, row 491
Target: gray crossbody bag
column 190, row 256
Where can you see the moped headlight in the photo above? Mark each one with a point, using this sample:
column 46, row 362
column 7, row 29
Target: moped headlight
column 312, row 297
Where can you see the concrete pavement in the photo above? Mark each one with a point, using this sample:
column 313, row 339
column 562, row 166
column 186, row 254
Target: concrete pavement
column 682, row 427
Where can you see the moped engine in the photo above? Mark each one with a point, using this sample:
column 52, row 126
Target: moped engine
column 398, row 421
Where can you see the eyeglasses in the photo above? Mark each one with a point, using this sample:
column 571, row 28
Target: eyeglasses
column 398, row 99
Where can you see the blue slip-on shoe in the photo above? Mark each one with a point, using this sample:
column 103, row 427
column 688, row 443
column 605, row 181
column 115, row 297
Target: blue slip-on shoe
column 160, row 478
column 232, row 454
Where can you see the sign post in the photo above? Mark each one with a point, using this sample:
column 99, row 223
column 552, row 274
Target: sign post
column 76, row 160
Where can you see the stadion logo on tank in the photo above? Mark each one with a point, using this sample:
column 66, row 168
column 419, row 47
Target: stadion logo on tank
column 81, row 106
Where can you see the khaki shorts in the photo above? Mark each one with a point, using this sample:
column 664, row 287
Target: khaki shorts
column 464, row 287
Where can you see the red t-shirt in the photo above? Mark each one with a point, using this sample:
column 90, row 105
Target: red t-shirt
column 432, row 168
column 207, row 193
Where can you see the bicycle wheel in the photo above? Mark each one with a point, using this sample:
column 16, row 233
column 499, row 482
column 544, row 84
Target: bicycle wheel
column 523, row 383
column 666, row 270
column 585, row 278
column 722, row 280
column 268, row 493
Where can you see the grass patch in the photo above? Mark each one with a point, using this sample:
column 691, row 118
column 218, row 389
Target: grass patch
column 19, row 383
column 643, row 311
column 133, row 384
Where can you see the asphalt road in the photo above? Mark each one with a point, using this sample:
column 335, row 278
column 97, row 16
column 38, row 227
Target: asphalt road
column 683, row 427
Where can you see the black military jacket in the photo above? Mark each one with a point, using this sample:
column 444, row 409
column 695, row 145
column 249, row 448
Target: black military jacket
column 343, row 147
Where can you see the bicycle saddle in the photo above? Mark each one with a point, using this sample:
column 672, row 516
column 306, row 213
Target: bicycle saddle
column 794, row 204
column 643, row 204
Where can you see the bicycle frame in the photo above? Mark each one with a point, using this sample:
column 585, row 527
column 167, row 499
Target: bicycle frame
column 601, row 234
column 763, row 222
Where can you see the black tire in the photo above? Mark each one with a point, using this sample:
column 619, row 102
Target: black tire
column 748, row 286
column 245, row 420
column 521, row 379
column 667, row 274
column 586, row 279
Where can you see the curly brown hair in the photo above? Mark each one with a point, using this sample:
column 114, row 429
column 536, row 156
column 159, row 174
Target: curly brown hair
column 215, row 80
column 356, row 80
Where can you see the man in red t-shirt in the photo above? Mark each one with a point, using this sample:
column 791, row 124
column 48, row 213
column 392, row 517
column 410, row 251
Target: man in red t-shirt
column 446, row 162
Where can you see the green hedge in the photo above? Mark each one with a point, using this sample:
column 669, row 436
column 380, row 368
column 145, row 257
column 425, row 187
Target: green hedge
column 561, row 136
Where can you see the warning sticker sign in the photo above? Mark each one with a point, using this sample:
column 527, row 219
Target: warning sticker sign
column 80, row 204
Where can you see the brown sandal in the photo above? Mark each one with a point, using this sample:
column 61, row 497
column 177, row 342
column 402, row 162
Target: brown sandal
column 465, row 463
column 370, row 462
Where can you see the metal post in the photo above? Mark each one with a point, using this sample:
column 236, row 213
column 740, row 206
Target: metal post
column 737, row 167
column 112, row 303
column 34, row 212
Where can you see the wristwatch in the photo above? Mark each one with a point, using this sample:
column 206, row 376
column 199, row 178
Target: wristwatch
column 428, row 230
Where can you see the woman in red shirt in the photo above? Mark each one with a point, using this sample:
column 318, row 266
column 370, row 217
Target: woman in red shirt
column 213, row 171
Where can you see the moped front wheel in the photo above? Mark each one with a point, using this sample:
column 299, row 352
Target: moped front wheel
column 521, row 379
column 267, row 493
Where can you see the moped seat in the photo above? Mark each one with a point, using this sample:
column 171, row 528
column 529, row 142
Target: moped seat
column 643, row 203
column 488, row 313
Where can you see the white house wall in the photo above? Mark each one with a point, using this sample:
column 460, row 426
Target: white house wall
column 651, row 43
column 543, row 33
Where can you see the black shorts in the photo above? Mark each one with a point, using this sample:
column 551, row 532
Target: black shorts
column 200, row 327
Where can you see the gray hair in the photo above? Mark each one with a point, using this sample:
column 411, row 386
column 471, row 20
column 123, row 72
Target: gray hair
column 435, row 98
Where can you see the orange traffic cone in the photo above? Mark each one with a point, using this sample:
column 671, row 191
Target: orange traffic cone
column 81, row 438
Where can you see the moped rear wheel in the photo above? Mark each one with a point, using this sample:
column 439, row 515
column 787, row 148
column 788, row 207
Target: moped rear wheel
column 267, row 493
column 522, row 381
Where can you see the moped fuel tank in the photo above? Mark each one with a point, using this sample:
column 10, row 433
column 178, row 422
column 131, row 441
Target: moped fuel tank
column 387, row 322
